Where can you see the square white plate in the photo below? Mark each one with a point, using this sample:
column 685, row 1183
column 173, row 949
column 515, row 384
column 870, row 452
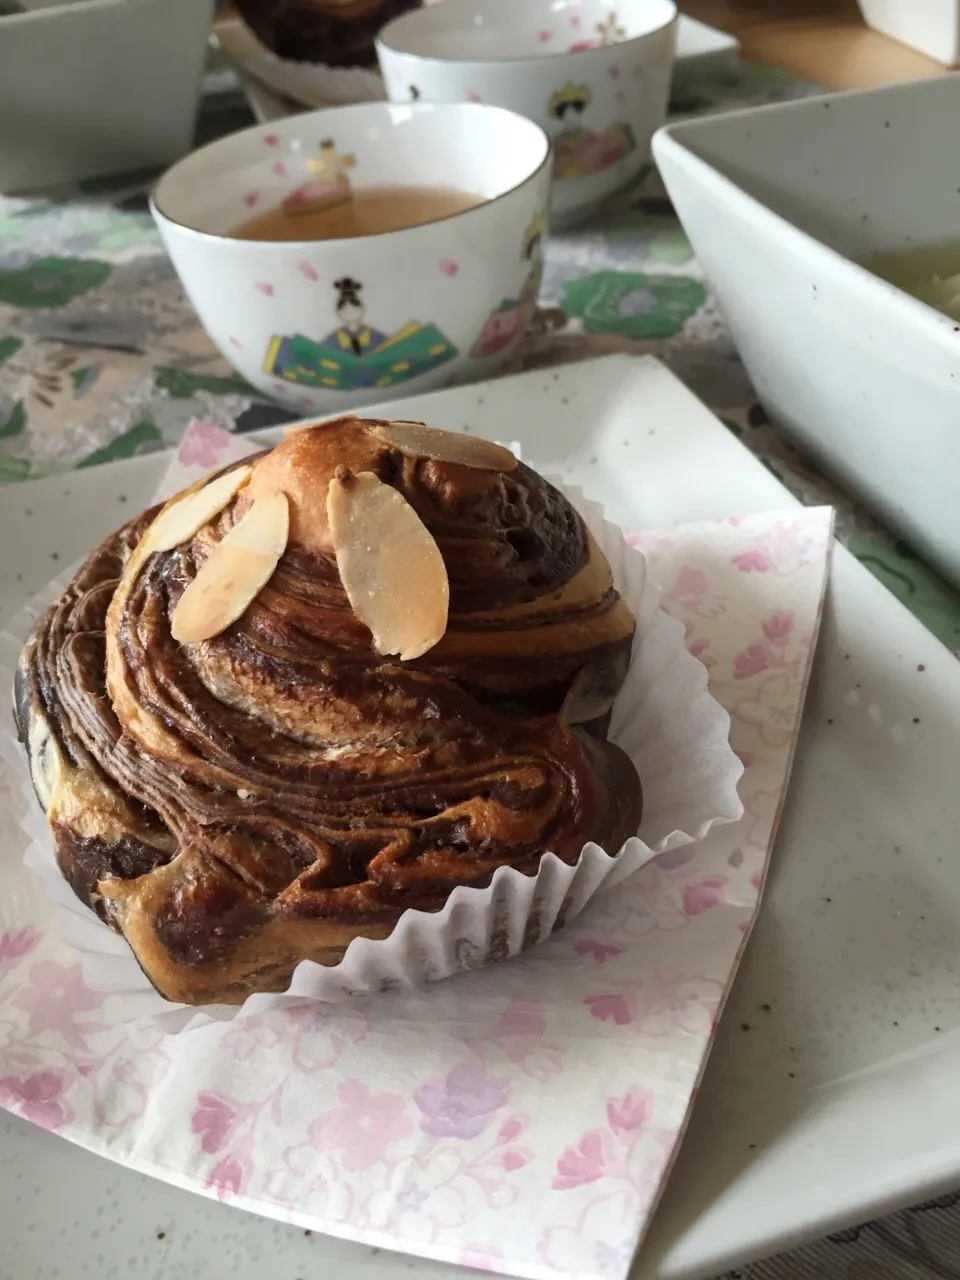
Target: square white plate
column 831, row 1093
column 697, row 43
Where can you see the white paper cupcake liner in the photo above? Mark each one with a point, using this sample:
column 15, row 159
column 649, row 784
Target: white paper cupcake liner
column 665, row 719
column 313, row 84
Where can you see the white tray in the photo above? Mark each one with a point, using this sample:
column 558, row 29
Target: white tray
column 840, row 1101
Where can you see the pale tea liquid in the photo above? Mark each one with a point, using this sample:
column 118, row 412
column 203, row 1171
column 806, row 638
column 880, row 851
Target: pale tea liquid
column 366, row 211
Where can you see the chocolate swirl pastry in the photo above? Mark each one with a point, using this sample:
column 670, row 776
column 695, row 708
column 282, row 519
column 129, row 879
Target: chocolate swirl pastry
column 323, row 687
column 338, row 33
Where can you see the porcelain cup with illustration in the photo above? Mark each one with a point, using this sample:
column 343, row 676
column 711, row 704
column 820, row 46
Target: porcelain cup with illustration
column 322, row 325
column 595, row 74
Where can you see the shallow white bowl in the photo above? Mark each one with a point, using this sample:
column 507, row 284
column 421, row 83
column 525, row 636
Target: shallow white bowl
column 595, row 74
column 780, row 203
column 328, row 324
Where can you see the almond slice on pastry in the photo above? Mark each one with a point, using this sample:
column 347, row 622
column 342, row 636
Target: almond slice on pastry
column 417, row 440
column 234, row 572
column 180, row 520
column 390, row 566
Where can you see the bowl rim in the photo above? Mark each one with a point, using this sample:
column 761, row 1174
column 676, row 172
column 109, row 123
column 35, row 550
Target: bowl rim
column 670, row 143
column 549, row 58
column 161, row 216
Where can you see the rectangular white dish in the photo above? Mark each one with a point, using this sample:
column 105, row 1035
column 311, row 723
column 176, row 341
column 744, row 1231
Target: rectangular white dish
column 839, row 1102
column 781, row 203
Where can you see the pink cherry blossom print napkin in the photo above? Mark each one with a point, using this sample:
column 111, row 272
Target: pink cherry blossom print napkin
column 521, row 1118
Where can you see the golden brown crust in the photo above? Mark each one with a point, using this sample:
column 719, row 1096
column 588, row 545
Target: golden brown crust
column 240, row 804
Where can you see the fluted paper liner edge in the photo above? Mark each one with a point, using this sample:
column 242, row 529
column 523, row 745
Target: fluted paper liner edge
column 666, row 720
column 315, row 84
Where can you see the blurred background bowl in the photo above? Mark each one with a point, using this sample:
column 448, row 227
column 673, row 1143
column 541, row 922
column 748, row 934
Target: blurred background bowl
column 783, row 206
column 98, row 88
column 594, row 74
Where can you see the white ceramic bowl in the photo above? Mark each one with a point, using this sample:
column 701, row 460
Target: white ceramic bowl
column 327, row 324
column 781, row 204
column 98, row 88
column 595, row 74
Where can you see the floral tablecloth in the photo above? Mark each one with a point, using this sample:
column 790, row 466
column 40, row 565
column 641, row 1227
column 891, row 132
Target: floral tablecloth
column 101, row 357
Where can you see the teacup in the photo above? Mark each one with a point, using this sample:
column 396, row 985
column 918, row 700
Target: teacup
column 595, row 74
column 328, row 324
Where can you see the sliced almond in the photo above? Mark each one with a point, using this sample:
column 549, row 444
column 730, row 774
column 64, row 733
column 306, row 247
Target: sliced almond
column 234, row 572
column 390, row 566
column 178, row 522
column 417, row 440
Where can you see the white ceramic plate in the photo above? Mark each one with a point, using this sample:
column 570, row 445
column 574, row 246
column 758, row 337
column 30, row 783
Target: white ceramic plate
column 840, row 1101
column 697, row 43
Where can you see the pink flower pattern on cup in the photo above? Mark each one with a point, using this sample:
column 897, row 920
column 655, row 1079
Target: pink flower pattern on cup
column 496, row 1120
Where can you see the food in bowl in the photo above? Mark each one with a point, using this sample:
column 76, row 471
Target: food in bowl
column 320, row 688
column 932, row 275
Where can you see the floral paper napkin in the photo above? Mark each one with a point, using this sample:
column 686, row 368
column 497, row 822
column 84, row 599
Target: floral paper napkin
column 522, row 1118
